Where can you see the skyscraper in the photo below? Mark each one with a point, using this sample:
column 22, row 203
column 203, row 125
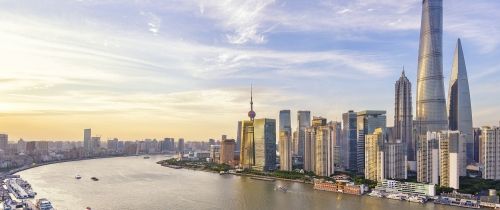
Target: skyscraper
column 227, row 149
column 180, row 146
column 247, row 147
column 87, row 141
column 449, row 158
column 247, row 153
column 258, row 142
column 4, row 138
column 477, row 143
column 459, row 105
column 285, row 140
column 367, row 122
column 324, row 155
column 403, row 118
column 265, row 144
column 238, row 137
column 337, row 144
column 349, row 129
column 431, row 104
column 428, row 158
column 285, row 148
column 304, row 121
column 490, row 152
column 285, row 121
column 374, row 159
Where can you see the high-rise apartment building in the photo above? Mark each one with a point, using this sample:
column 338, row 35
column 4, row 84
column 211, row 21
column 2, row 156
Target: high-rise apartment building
column 374, row 159
column 428, row 158
column 449, row 158
column 490, row 152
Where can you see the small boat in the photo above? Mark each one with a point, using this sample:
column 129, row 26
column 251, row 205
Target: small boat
column 78, row 177
column 94, row 179
column 44, row 204
column 281, row 188
column 222, row 172
column 146, row 157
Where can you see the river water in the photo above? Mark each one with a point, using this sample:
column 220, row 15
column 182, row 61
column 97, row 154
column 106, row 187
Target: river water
column 138, row 183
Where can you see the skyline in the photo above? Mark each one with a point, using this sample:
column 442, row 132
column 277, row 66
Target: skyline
column 133, row 80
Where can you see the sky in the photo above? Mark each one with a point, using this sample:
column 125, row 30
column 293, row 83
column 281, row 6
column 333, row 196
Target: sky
column 136, row 69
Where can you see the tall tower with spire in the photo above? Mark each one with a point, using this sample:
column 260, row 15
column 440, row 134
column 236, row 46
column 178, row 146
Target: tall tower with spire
column 459, row 105
column 251, row 113
column 403, row 118
column 431, row 104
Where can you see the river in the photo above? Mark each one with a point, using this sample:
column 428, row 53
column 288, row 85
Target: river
column 138, row 183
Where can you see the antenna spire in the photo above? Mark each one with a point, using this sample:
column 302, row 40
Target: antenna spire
column 251, row 113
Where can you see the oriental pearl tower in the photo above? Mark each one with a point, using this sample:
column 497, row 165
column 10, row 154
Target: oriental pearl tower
column 251, row 113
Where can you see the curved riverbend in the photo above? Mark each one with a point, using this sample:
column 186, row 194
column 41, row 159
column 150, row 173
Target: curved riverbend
column 138, row 183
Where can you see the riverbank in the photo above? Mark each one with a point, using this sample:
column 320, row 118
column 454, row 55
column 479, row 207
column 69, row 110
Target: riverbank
column 217, row 168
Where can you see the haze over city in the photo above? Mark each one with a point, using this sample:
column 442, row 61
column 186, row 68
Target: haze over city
column 146, row 69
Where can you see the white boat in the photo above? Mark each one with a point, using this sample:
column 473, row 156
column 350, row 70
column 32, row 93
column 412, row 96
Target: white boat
column 417, row 199
column 78, row 177
column 376, row 193
column 397, row 196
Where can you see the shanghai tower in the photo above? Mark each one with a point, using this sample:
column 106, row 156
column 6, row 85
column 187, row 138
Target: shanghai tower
column 431, row 104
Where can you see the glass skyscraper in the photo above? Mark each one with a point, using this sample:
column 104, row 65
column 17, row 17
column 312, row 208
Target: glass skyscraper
column 459, row 109
column 431, row 104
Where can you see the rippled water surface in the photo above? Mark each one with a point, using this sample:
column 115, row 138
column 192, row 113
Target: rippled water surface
column 138, row 183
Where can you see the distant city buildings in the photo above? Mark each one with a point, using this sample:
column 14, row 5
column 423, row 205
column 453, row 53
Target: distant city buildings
column 87, row 141
column 4, row 139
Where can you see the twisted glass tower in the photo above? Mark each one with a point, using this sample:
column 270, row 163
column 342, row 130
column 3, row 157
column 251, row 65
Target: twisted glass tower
column 431, row 104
